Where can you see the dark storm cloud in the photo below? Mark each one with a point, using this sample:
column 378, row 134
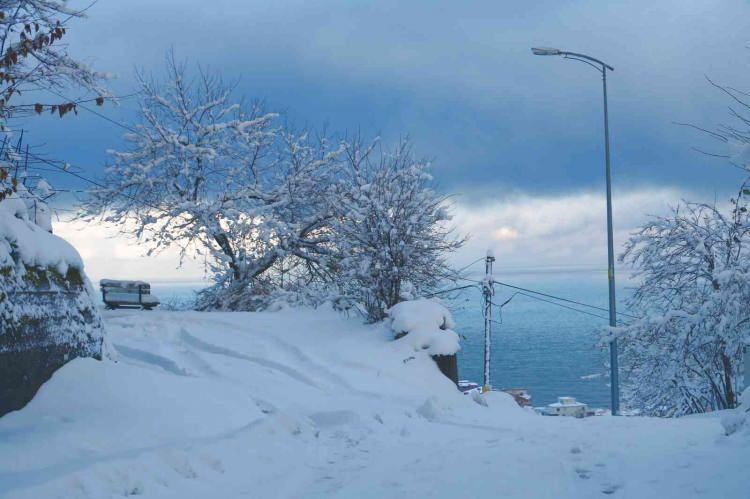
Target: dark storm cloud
column 457, row 76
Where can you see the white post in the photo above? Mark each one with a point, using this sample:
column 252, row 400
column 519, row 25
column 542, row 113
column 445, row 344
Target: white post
column 487, row 291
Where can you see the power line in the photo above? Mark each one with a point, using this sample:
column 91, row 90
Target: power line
column 564, row 299
column 429, row 295
column 97, row 113
column 555, row 303
column 93, row 182
column 472, row 263
column 560, row 298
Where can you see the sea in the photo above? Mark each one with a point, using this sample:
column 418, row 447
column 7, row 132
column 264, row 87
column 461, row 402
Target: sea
column 548, row 349
column 544, row 347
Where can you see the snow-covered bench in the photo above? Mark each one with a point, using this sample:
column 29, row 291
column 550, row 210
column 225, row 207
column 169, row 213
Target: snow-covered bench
column 127, row 294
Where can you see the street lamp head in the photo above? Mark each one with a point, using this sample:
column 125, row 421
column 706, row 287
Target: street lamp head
column 545, row 51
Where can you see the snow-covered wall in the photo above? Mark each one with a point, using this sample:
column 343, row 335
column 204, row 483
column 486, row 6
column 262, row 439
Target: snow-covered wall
column 47, row 311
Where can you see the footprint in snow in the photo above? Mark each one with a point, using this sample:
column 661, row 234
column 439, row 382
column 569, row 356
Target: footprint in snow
column 611, row 488
column 583, row 473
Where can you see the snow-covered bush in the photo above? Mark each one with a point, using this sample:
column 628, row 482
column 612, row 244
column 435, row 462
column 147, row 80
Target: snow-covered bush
column 220, row 179
column 426, row 325
column 693, row 266
column 391, row 228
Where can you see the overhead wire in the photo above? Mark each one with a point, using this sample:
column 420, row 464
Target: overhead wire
column 533, row 294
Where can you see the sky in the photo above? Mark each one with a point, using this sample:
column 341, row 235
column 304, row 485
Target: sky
column 516, row 138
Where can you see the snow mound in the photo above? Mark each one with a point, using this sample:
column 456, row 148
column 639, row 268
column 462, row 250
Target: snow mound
column 426, row 325
column 738, row 419
column 32, row 243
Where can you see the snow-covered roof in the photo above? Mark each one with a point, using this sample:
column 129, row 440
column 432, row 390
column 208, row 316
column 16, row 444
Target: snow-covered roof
column 121, row 284
column 567, row 402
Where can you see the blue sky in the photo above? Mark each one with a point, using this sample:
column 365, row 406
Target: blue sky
column 458, row 77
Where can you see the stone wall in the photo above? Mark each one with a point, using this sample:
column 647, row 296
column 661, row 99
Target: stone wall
column 46, row 319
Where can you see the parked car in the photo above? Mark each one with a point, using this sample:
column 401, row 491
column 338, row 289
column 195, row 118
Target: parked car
column 127, row 294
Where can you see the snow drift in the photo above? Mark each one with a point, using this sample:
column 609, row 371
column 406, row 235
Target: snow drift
column 303, row 403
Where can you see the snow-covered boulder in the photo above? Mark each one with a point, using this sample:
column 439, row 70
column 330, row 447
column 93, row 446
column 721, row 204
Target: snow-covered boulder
column 47, row 312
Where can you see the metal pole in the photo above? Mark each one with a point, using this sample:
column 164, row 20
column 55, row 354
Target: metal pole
column 487, row 291
column 614, row 375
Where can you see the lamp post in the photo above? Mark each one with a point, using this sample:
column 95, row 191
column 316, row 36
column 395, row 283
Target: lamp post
column 602, row 67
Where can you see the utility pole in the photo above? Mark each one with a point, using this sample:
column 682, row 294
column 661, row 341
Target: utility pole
column 488, row 291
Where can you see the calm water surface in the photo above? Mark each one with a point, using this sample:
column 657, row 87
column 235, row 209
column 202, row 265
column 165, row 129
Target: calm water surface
column 549, row 350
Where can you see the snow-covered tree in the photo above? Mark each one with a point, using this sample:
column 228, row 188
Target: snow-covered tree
column 693, row 272
column 33, row 58
column 219, row 178
column 392, row 229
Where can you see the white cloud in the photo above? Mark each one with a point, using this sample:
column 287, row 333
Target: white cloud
column 522, row 230
column 107, row 254
column 532, row 231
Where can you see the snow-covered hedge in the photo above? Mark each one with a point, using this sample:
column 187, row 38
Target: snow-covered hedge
column 425, row 324
column 47, row 312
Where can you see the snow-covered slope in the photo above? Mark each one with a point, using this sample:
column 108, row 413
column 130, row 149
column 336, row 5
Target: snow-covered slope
column 310, row 404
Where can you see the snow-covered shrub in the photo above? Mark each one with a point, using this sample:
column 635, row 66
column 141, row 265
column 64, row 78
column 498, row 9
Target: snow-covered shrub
column 391, row 229
column 693, row 267
column 47, row 311
column 426, row 325
column 274, row 297
column 222, row 180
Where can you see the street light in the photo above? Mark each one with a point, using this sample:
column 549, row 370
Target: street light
column 602, row 68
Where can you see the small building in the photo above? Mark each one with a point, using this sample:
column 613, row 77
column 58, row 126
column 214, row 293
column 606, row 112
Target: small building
column 567, row 406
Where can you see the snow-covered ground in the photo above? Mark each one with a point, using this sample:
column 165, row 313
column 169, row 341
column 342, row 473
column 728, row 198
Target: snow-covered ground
column 310, row 404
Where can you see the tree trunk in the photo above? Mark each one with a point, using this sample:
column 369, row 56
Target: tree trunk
column 729, row 395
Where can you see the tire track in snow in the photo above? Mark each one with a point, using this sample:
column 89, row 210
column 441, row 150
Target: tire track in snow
column 199, row 344
column 149, row 358
column 337, row 380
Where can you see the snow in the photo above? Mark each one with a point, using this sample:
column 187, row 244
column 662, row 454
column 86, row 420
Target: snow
column 303, row 403
column 34, row 245
column 427, row 325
